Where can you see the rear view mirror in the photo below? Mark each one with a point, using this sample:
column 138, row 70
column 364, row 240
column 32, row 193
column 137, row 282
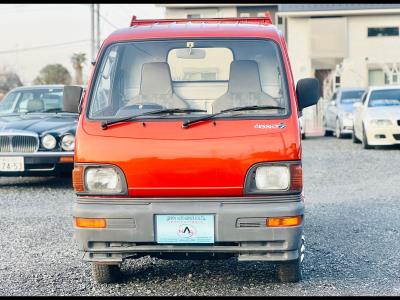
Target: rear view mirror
column 307, row 91
column 72, row 98
column 190, row 53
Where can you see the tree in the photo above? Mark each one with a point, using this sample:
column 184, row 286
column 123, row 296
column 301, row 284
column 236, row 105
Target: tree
column 78, row 59
column 8, row 81
column 53, row 74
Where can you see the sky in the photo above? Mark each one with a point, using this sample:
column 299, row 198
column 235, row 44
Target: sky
column 34, row 35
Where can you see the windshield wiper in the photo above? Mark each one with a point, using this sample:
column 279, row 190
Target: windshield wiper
column 105, row 124
column 186, row 124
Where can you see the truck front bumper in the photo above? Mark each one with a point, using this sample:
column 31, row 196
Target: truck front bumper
column 240, row 227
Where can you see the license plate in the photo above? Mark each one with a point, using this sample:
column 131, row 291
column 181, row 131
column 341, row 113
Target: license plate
column 12, row 164
column 182, row 229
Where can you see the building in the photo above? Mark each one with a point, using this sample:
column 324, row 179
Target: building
column 343, row 45
column 176, row 11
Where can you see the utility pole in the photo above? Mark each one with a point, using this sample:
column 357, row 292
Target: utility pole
column 98, row 26
column 92, row 42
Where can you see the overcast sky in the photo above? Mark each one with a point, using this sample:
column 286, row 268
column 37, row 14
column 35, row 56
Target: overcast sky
column 45, row 26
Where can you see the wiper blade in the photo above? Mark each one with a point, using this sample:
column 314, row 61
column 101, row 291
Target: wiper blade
column 105, row 124
column 186, row 124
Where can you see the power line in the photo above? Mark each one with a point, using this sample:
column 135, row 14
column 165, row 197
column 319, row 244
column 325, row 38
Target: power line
column 43, row 46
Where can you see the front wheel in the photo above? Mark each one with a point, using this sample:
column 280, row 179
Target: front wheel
column 289, row 271
column 106, row 273
column 354, row 138
column 338, row 131
column 365, row 140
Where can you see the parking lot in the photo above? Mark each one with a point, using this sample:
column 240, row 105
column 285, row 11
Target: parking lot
column 352, row 237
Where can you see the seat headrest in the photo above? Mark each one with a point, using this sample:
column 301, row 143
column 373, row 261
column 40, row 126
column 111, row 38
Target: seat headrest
column 244, row 77
column 35, row 105
column 156, row 79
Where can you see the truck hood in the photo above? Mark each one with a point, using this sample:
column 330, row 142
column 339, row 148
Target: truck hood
column 161, row 159
column 38, row 123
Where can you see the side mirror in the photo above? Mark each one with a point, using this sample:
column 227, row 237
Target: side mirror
column 307, row 91
column 332, row 103
column 72, row 98
column 357, row 105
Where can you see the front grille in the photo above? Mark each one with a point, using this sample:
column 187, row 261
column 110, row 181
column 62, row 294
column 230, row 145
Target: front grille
column 19, row 143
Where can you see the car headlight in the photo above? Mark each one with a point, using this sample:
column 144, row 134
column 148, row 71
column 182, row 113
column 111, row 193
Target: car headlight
column 381, row 122
column 103, row 180
column 272, row 178
column 68, row 142
column 49, row 141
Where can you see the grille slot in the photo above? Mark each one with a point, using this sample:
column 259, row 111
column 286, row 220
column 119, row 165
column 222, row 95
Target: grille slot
column 19, row 143
column 5, row 145
column 396, row 137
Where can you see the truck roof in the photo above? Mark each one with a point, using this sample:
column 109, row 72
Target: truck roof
column 251, row 27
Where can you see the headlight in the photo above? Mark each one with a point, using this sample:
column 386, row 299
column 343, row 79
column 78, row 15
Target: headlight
column 103, row 180
column 381, row 122
column 49, row 141
column 68, row 142
column 272, row 178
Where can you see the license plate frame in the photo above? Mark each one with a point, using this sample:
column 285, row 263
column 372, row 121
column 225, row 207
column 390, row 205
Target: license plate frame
column 185, row 228
column 12, row 164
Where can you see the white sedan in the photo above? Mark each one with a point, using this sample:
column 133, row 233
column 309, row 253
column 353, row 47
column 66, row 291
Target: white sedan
column 377, row 117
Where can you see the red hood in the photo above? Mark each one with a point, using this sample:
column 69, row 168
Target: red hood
column 161, row 159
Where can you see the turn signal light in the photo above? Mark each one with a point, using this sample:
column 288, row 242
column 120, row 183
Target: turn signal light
column 284, row 221
column 90, row 223
column 77, row 179
column 66, row 159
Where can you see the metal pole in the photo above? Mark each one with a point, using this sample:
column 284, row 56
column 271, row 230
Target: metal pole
column 98, row 26
column 92, row 44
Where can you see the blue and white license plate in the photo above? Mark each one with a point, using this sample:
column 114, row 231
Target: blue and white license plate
column 182, row 229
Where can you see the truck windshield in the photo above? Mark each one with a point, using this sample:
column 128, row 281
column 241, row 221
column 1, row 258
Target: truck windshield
column 206, row 75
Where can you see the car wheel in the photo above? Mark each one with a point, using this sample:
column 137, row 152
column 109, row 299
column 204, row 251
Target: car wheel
column 103, row 273
column 354, row 138
column 338, row 131
column 290, row 271
column 326, row 131
column 365, row 140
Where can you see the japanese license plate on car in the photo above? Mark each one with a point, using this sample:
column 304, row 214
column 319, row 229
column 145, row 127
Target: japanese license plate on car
column 182, row 229
column 12, row 164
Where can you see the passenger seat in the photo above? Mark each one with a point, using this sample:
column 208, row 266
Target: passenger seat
column 156, row 87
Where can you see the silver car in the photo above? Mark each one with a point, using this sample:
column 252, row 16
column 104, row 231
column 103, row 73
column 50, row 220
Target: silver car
column 338, row 114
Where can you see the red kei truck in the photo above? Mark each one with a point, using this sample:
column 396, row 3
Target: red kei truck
column 188, row 146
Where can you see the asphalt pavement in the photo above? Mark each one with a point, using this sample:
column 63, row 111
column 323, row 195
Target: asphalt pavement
column 352, row 230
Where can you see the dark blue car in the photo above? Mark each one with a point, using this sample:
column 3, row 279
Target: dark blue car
column 37, row 133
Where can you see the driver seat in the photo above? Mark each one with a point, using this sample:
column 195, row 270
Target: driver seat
column 244, row 87
column 156, row 87
column 35, row 105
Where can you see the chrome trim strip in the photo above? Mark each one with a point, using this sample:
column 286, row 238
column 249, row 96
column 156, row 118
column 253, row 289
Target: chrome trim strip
column 82, row 199
column 37, row 154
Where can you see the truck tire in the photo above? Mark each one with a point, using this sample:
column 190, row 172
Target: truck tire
column 106, row 273
column 289, row 271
